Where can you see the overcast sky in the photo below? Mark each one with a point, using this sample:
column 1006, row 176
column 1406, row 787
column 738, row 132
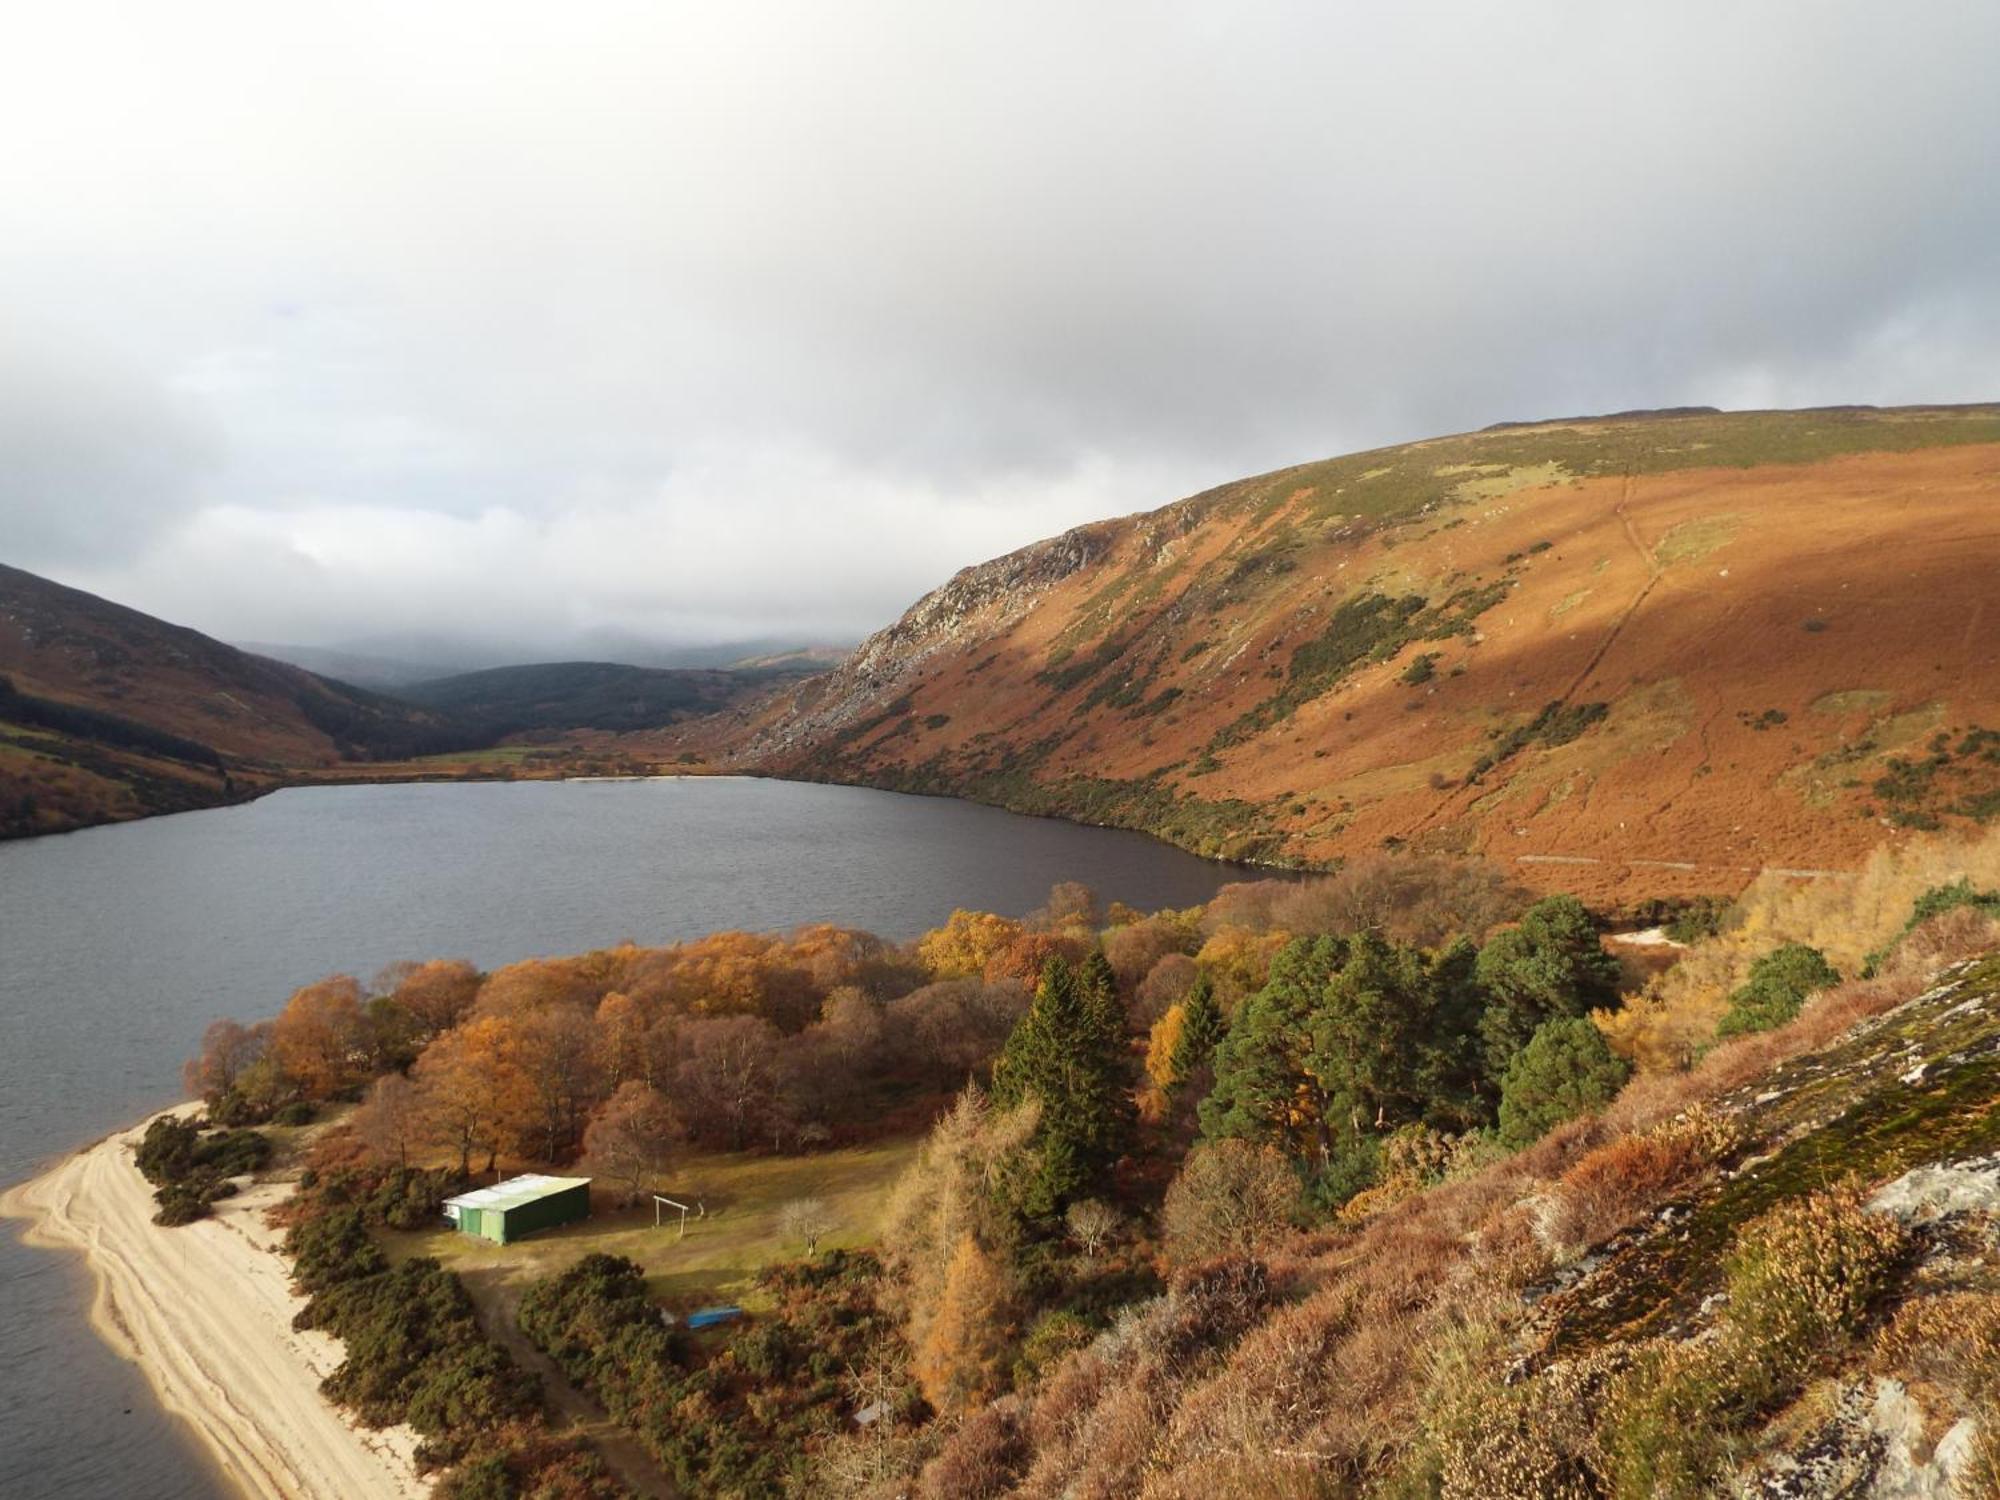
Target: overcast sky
column 524, row 323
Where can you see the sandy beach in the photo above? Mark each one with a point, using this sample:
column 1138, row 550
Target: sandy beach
column 206, row 1310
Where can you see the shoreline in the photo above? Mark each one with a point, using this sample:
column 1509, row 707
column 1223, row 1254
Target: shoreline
column 205, row 1311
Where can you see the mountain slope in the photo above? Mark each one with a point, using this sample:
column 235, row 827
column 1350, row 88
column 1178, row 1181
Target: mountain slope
column 108, row 713
column 1634, row 655
column 592, row 694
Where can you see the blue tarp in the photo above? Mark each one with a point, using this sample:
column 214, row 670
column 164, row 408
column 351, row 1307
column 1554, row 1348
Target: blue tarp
column 708, row 1317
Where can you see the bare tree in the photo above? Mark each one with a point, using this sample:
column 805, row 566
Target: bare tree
column 1091, row 1223
column 391, row 1118
column 808, row 1219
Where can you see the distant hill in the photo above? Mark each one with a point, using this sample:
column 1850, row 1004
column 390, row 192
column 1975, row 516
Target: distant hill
column 593, row 694
column 383, row 673
column 108, row 713
column 1636, row 654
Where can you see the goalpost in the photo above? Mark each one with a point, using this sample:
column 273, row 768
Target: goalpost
column 661, row 1201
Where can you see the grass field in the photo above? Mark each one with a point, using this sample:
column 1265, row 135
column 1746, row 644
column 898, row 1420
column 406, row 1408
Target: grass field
column 745, row 1196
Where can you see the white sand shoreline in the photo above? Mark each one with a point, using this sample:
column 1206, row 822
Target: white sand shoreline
column 205, row 1311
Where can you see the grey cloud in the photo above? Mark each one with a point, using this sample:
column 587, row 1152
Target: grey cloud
column 764, row 318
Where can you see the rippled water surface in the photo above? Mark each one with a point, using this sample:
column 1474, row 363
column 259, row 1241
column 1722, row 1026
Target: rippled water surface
column 117, row 945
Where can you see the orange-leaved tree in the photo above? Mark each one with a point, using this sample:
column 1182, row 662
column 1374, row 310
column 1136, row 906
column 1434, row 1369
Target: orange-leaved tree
column 473, row 1086
column 632, row 1137
column 319, row 1038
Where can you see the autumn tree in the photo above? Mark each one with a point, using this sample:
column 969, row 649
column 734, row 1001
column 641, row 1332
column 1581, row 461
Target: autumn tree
column 473, row 1086
column 562, row 1081
column 1239, row 961
column 625, row 1046
column 632, row 1137
column 227, row 1049
column 725, row 1076
column 1072, row 907
column 1134, row 949
column 966, row 944
column 1424, row 899
column 1027, row 955
column 965, row 1183
column 944, row 1033
column 391, row 1119
column 962, row 1360
column 1166, row 984
column 436, row 995
column 319, row 1038
column 1090, row 1222
column 1231, row 1197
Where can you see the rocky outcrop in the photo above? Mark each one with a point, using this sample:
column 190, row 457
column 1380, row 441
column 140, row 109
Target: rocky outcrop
column 978, row 603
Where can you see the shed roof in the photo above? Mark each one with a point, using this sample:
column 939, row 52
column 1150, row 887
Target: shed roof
column 515, row 1191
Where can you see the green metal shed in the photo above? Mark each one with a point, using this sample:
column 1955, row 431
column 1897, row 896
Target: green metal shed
column 520, row 1205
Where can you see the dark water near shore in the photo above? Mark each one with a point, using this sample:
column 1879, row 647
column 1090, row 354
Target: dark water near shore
column 117, row 945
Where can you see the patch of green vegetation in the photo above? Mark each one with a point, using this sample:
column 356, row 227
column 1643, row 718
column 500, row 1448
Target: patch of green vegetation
column 1422, row 668
column 1770, row 718
column 1368, row 626
column 1691, row 541
column 1935, row 902
column 190, row 1170
column 1557, row 724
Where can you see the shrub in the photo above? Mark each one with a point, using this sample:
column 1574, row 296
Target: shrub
column 1801, row 1282
column 1566, row 1070
column 189, row 1171
column 1776, row 990
column 1230, row 1198
column 1052, row 1337
column 1631, row 1176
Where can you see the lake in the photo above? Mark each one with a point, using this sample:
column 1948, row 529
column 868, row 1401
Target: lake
column 119, row 944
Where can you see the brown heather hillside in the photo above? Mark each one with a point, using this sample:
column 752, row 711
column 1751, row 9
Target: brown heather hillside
column 108, row 713
column 1629, row 656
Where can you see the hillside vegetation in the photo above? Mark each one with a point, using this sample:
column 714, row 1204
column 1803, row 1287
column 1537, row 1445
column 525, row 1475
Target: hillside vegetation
column 1394, row 1182
column 1624, row 656
column 594, row 694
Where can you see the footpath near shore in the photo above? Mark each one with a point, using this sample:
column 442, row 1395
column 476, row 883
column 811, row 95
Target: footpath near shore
column 205, row 1310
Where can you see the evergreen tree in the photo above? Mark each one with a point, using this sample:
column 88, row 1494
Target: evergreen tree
column 1552, row 965
column 1265, row 1089
column 1068, row 1053
column 1201, row 1029
column 1565, row 1070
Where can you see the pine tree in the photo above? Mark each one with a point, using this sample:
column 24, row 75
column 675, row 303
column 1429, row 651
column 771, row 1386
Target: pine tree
column 1068, row 1052
column 1201, row 1029
column 1552, row 965
column 1265, row 1089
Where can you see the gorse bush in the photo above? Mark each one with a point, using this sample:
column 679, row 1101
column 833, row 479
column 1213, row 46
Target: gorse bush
column 190, row 1170
column 414, row 1351
column 737, row 1417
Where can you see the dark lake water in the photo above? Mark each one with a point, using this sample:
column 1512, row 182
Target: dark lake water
column 117, row 945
